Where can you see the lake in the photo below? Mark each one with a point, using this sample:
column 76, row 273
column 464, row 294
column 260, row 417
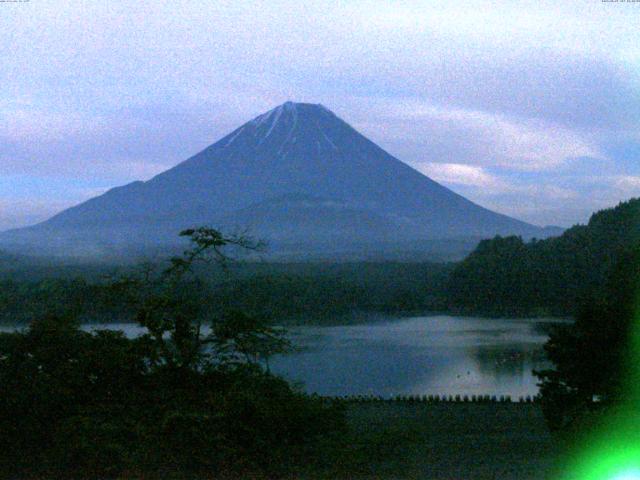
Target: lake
column 439, row 355
column 429, row 355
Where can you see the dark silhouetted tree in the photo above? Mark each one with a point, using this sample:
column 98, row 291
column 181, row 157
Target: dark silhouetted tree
column 595, row 362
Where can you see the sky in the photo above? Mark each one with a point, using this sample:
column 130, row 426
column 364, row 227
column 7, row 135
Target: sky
column 528, row 108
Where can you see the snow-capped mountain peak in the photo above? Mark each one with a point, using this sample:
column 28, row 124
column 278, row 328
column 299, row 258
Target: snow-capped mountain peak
column 293, row 150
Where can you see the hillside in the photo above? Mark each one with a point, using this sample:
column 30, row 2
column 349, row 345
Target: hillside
column 508, row 276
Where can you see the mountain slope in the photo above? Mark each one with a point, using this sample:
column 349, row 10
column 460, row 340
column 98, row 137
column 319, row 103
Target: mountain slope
column 292, row 152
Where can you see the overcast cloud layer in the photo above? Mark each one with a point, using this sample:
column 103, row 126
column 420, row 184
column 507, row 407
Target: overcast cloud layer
column 529, row 108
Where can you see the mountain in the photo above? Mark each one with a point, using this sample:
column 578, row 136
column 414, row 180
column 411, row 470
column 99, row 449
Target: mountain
column 296, row 175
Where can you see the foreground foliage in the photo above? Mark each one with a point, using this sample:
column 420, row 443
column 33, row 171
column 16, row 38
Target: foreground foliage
column 180, row 401
column 595, row 360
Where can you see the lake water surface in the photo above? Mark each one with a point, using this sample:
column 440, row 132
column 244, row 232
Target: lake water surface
column 439, row 355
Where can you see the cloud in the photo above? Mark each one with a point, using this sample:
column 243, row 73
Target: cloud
column 460, row 174
column 427, row 133
column 26, row 123
column 627, row 183
column 559, row 198
column 133, row 143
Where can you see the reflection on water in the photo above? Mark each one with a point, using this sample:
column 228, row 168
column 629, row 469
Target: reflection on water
column 438, row 355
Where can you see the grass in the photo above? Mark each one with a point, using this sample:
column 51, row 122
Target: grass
column 445, row 441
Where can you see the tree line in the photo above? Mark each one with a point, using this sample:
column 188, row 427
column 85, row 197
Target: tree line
column 281, row 293
column 506, row 276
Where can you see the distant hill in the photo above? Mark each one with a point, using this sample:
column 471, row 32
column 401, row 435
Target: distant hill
column 297, row 176
column 507, row 276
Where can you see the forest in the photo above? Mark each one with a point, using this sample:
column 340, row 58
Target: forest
column 506, row 276
column 282, row 293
